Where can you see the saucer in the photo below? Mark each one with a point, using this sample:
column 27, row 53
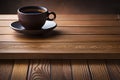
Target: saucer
column 47, row 27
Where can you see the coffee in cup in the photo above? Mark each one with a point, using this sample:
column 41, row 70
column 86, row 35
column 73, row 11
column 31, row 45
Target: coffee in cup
column 34, row 17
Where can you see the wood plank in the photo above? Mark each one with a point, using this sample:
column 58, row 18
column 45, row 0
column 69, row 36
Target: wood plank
column 59, row 38
column 39, row 70
column 6, row 67
column 89, row 30
column 70, row 17
column 88, row 17
column 8, row 17
column 61, row 70
column 88, row 23
column 73, row 30
column 20, row 70
column 77, row 23
column 98, row 70
column 56, row 48
column 114, row 69
column 80, row 70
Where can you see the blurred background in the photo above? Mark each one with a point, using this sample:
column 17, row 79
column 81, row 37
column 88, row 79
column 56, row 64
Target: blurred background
column 64, row 6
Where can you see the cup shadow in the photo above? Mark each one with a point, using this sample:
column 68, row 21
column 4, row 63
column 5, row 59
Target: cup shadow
column 50, row 34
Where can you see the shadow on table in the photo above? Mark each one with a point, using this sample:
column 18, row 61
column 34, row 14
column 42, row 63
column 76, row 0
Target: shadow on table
column 51, row 34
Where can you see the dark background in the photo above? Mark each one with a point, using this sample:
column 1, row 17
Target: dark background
column 65, row 6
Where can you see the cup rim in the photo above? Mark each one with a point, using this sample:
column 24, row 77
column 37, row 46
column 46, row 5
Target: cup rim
column 40, row 7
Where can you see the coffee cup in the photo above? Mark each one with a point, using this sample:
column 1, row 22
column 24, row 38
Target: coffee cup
column 34, row 17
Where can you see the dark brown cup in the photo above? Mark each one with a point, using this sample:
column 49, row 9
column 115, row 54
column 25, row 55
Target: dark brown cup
column 34, row 17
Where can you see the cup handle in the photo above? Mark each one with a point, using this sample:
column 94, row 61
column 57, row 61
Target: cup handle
column 54, row 16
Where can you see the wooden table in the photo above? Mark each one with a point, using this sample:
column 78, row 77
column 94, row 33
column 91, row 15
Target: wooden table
column 76, row 37
column 82, row 47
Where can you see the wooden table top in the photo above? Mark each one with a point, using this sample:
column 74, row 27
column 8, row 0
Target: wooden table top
column 88, row 36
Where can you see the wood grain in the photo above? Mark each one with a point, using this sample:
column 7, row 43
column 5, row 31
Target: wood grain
column 77, row 36
column 76, row 23
column 98, row 70
column 70, row 17
column 86, row 50
column 80, row 70
column 59, row 38
column 88, row 23
column 6, row 67
column 39, row 70
column 20, row 70
column 56, row 48
column 61, row 70
column 114, row 69
column 88, row 17
column 76, row 30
